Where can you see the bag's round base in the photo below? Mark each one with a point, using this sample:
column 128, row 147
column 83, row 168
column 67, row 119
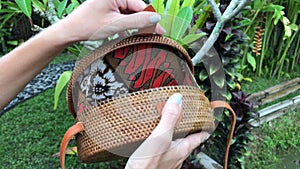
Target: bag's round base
column 114, row 129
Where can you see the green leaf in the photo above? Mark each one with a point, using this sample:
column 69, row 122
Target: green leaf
column 219, row 80
column 12, row 42
column 181, row 22
column 173, row 7
column 70, row 8
column 168, row 20
column 251, row 60
column 38, row 5
column 25, row 6
column 6, row 18
column 278, row 11
column 213, row 68
column 11, row 5
column 158, row 5
column 192, row 37
column 56, row 3
column 61, row 7
column 203, row 75
column 75, row 3
column 228, row 96
column 61, row 83
column 0, row 4
column 187, row 3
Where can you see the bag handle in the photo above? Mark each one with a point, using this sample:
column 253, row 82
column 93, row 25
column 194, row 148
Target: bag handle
column 216, row 104
column 71, row 132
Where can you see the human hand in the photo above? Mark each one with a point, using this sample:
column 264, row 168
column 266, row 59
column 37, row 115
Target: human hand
column 96, row 19
column 158, row 151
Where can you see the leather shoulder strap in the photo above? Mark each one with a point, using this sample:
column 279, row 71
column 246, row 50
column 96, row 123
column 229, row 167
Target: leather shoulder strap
column 71, row 132
column 216, row 104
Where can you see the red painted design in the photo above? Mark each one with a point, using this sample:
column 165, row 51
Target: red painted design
column 81, row 107
column 122, row 53
column 149, row 67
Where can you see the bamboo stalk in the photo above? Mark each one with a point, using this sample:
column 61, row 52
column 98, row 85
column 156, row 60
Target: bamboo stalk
column 274, row 111
column 270, row 92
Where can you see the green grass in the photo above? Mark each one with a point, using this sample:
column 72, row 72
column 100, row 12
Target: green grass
column 31, row 133
column 274, row 140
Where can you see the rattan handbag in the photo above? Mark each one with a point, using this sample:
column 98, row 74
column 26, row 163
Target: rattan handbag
column 117, row 91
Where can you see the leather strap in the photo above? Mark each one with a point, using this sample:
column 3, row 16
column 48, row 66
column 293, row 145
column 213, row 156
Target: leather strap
column 216, row 104
column 71, row 132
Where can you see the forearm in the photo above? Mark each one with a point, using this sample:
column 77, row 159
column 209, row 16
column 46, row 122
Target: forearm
column 23, row 63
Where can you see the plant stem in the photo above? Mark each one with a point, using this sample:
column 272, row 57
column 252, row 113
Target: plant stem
column 208, row 44
column 284, row 55
column 234, row 7
column 296, row 51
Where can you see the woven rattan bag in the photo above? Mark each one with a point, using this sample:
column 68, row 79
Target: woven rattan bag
column 116, row 94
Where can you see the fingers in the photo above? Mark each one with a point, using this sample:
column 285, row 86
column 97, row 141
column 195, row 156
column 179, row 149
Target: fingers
column 182, row 148
column 134, row 21
column 160, row 139
column 170, row 115
column 132, row 5
column 194, row 140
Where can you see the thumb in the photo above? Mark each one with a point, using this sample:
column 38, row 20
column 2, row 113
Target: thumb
column 160, row 139
column 170, row 115
column 137, row 21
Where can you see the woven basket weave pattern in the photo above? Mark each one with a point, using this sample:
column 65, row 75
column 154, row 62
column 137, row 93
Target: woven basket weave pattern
column 120, row 124
column 131, row 119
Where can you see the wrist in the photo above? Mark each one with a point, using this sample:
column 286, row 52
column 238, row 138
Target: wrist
column 60, row 35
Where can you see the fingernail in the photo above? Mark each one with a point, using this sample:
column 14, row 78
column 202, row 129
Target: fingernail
column 176, row 98
column 206, row 136
column 155, row 18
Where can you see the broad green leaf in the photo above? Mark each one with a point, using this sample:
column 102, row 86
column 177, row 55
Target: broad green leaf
column 294, row 27
column 228, row 96
column 231, row 84
column 61, row 7
column 61, row 83
column 213, row 68
column 219, row 80
column 181, row 22
column 25, row 6
column 75, row 3
column 56, row 4
column 251, row 60
column 70, row 8
column 0, row 4
column 277, row 11
column 38, row 5
column 203, row 75
column 192, row 37
column 187, row 3
column 158, row 5
column 168, row 21
column 173, row 7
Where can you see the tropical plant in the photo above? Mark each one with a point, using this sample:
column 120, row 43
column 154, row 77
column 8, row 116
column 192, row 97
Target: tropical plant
column 176, row 20
column 239, row 149
column 212, row 79
column 39, row 14
column 273, row 32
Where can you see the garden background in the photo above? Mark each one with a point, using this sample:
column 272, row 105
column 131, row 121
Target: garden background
column 258, row 47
